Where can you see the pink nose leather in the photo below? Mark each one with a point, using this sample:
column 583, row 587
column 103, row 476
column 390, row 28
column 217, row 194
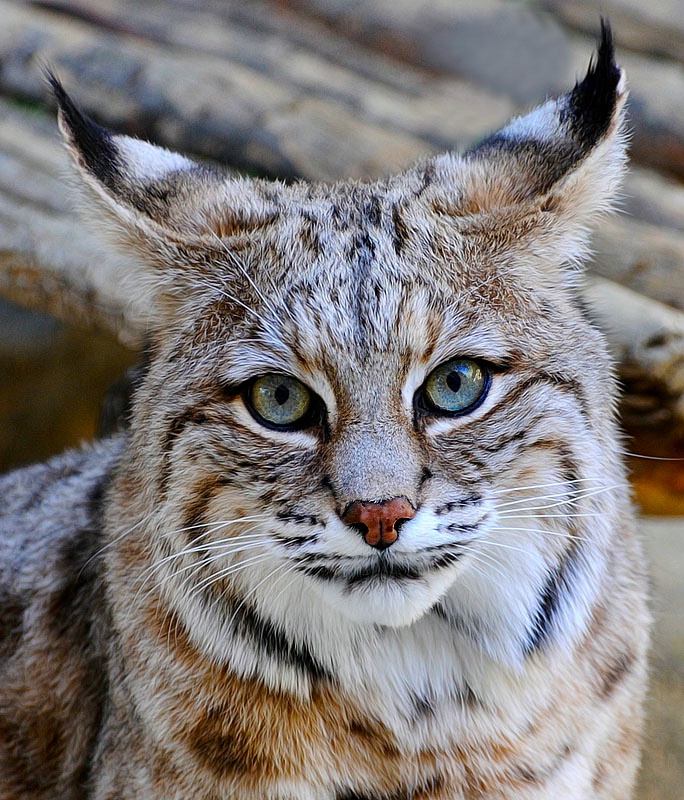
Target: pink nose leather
column 377, row 521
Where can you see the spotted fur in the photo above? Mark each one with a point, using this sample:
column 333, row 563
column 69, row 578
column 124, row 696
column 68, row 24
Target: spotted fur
column 185, row 612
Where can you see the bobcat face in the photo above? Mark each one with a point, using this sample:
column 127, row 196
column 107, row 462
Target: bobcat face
column 377, row 382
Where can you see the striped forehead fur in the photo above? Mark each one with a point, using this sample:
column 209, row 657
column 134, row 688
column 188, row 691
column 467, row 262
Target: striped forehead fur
column 499, row 201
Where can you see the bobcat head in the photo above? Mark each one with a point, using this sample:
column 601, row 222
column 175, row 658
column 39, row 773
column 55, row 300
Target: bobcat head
column 368, row 402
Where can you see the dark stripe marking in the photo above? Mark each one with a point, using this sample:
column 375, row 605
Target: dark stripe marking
column 424, row 707
column 362, row 253
column 471, row 499
column 426, row 788
column 192, row 415
column 264, row 635
column 569, row 384
column 457, row 623
column 616, row 673
column 558, row 589
column 375, row 736
column 400, row 232
column 196, row 507
column 12, row 608
column 512, row 397
column 300, row 519
column 382, row 569
column 372, row 211
column 540, row 774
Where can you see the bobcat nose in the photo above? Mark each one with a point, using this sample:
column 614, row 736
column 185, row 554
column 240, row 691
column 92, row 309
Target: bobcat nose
column 378, row 522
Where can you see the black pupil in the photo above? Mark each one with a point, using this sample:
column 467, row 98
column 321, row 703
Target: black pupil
column 454, row 381
column 282, row 394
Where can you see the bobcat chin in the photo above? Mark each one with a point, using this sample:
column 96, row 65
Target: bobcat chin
column 368, row 535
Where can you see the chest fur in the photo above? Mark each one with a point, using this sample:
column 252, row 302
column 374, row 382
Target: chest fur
column 223, row 735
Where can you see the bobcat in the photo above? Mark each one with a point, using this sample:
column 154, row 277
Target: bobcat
column 368, row 534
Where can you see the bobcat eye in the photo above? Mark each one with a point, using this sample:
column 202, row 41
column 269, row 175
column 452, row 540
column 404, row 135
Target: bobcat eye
column 455, row 387
column 279, row 401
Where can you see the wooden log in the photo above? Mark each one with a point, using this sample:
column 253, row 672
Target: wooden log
column 656, row 109
column 293, row 114
column 645, row 258
column 655, row 27
column 278, row 111
column 514, row 49
column 505, row 47
column 647, row 339
column 654, row 198
column 48, row 262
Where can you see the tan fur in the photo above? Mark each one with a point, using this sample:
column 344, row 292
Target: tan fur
column 188, row 609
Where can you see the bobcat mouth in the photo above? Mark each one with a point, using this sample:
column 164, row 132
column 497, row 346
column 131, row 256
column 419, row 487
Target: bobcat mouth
column 384, row 568
column 381, row 570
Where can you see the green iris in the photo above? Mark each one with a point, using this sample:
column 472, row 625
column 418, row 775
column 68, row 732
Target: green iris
column 278, row 400
column 456, row 386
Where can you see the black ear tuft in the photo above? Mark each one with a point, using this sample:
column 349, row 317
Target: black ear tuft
column 94, row 144
column 591, row 104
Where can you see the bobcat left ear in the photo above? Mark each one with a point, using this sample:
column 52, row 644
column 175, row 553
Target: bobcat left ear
column 563, row 161
column 145, row 185
column 118, row 167
column 173, row 215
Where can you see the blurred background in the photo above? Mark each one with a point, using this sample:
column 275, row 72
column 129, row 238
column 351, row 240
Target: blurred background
column 324, row 89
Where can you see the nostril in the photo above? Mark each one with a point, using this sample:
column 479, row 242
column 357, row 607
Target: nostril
column 399, row 524
column 360, row 527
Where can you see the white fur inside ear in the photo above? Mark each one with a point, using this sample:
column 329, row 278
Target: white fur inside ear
column 541, row 124
column 147, row 162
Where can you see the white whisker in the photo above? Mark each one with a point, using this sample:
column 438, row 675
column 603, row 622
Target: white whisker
column 502, row 545
column 576, row 497
column 216, row 524
column 488, row 561
column 226, row 572
column 118, row 539
column 526, row 488
column 269, row 575
column 651, row 458
column 197, row 566
column 544, row 532
column 232, row 544
column 513, row 514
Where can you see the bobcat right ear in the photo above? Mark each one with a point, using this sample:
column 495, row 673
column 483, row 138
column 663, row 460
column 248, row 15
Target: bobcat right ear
column 551, row 170
column 175, row 215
